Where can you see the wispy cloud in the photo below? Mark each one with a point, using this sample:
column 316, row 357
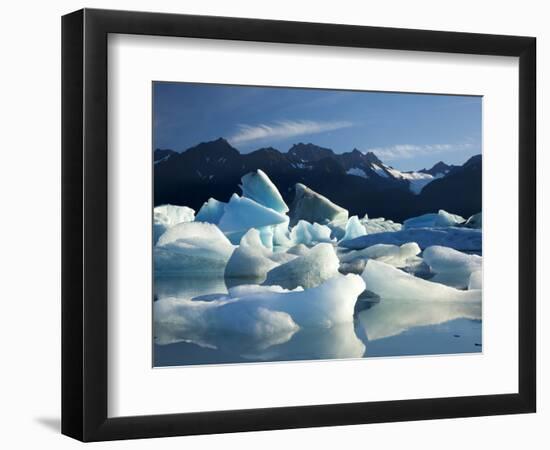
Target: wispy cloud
column 284, row 129
column 406, row 151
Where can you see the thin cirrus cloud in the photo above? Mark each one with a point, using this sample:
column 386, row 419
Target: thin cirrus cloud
column 406, row 151
column 284, row 129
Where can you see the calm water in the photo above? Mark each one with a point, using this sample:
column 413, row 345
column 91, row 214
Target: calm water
column 387, row 328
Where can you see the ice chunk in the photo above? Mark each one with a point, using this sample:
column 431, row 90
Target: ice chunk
column 474, row 221
column 211, row 211
column 379, row 225
column 354, row 229
column 391, row 317
column 258, row 187
column 476, row 280
column 299, row 250
column 441, row 219
column 312, row 207
column 317, row 265
column 221, row 323
column 450, row 266
column 251, row 259
column 167, row 216
column 398, row 256
column 309, row 234
column 192, row 248
column 241, row 214
column 389, row 282
column 270, row 315
column 465, row 239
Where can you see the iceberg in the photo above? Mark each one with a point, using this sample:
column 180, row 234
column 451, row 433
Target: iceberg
column 167, row 216
column 441, row 219
column 380, row 225
column 310, row 270
column 465, row 239
column 450, row 266
column 258, row 187
column 241, row 214
column 474, row 221
column 389, row 282
column 312, row 207
column 354, row 229
column 252, row 259
column 192, row 248
column 268, row 314
column 397, row 256
column 211, row 211
column 309, row 234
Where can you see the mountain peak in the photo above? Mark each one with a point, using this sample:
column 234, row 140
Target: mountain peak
column 309, row 152
column 372, row 158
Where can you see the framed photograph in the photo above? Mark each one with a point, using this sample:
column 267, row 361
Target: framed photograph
column 273, row 224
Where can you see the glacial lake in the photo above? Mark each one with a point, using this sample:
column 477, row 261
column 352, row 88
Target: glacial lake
column 384, row 328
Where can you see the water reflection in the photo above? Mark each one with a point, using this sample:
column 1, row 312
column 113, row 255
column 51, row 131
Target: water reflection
column 390, row 327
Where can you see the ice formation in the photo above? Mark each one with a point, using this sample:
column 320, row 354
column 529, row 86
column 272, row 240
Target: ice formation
column 167, row 216
column 354, row 229
column 211, row 211
column 390, row 282
column 192, row 247
column 450, row 266
column 465, row 239
column 476, row 280
column 441, row 219
column 269, row 314
column 397, row 256
column 258, row 187
column 380, row 225
column 474, row 221
column 241, row 214
column 309, row 234
column 312, row 207
column 316, row 266
column 252, row 259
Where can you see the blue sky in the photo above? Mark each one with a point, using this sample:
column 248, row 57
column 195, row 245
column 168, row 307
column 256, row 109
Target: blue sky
column 406, row 131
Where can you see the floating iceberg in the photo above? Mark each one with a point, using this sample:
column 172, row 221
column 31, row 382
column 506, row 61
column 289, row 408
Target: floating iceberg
column 309, row 234
column 192, row 248
column 211, row 211
column 380, row 225
column 312, row 207
column 441, row 219
column 258, row 187
column 465, row 239
column 241, row 214
column 252, row 259
column 450, row 266
column 310, row 270
column 476, row 280
column 389, row 282
column 474, row 221
column 354, row 229
column 397, row 256
column 167, row 216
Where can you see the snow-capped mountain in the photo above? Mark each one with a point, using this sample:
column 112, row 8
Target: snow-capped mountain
column 359, row 181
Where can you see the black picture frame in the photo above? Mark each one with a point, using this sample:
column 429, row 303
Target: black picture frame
column 84, row 224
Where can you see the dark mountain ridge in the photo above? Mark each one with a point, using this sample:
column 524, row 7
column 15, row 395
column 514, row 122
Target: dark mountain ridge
column 359, row 182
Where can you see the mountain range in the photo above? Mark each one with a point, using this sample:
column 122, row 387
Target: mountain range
column 360, row 182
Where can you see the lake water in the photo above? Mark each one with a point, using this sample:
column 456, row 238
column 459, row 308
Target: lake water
column 389, row 327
